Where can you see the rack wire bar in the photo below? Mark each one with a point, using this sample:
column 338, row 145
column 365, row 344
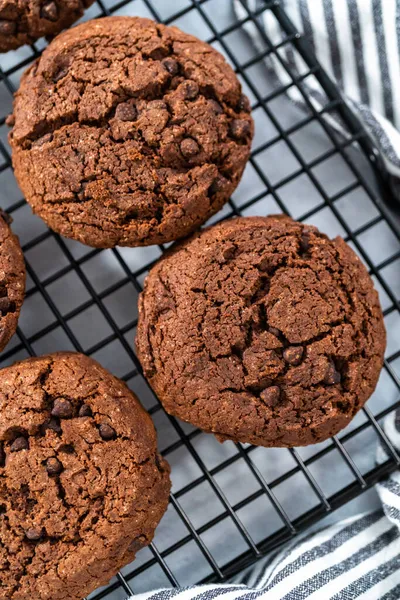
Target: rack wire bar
column 85, row 299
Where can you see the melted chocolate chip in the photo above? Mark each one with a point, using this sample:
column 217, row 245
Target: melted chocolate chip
column 85, row 411
column 53, row 423
column 244, row 104
column 5, row 305
column 304, row 243
column 34, row 535
column 332, row 376
column 293, row 355
column 171, row 65
column 126, row 112
column 270, row 396
column 216, row 106
column 2, row 457
column 49, row 11
column 7, row 27
column 218, row 185
column 190, row 90
column 158, row 461
column 53, row 466
column 107, row 432
column 60, row 74
column 20, row 443
column 189, row 147
column 62, row 408
column 240, row 129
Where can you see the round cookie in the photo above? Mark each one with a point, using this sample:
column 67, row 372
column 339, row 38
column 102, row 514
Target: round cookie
column 12, row 280
column 128, row 132
column 25, row 21
column 262, row 330
column 82, row 487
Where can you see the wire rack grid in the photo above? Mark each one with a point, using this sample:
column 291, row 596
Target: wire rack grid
column 84, row 299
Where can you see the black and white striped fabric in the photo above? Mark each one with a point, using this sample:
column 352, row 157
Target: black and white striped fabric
column 356, row 558
column 358, row 43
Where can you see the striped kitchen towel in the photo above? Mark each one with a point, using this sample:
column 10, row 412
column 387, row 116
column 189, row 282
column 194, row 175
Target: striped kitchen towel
column 358, row 42
column 356, row 558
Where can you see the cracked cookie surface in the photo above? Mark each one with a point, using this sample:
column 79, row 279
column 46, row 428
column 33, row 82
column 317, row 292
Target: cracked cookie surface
column 262, row 330
column 25, row 21
column 129, row 132
column 82, row 487
column 12, row 280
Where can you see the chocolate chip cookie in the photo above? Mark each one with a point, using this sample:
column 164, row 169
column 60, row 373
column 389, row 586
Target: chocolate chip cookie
column 262, row 330
column 24, row 21
column 12, row 280
column 82, row 487
column 129, row 132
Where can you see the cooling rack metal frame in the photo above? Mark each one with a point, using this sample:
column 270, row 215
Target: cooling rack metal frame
column 26, row 343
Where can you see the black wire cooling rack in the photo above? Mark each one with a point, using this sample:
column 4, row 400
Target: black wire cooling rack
column 230, row 503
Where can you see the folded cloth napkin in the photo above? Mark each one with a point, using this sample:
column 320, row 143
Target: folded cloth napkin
column 357, row 42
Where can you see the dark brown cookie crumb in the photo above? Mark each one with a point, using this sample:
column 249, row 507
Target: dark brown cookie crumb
column 262, row 330
column 25, row 22
column 73, row 507
column 137, row 150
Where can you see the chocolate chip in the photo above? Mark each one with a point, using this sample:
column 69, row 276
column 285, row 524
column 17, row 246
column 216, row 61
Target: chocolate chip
column 60, row 74
column 6, row 217
column 171, row 65
column 244, row 104
column 107, row 432
column 240, row 128
column 126, row 112
column 43, row 140
column 189, row 147
column 2, row 457
column 53, row 466
column 274, row 331
column 7, row 27
column 62, row 408
column 190, row 90
column 3, row 509
column 85, row 411
column 332, row 376
column 304, row 243
column 34, row 535
column 158, row 461
column 67, row 449
column 270, row 396
column 49, row 11
column 53, row 423
column 293, row 355
column 5, row 305
column 20, row 443
column 217, row 185
column 216, row 107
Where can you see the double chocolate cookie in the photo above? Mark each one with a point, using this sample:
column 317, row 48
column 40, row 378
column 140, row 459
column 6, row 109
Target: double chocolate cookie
column 82, row 487
column 12, row 280
column 129, row 132
column 262, row 330
column 24, row 21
